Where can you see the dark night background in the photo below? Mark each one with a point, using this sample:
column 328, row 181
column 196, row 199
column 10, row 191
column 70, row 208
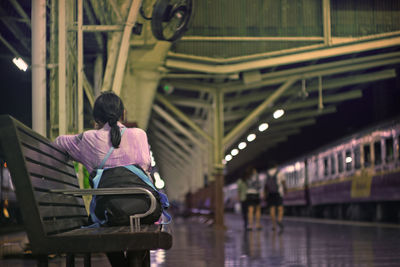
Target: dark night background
column 16, row 91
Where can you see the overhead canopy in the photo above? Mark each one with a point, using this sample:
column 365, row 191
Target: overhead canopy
column 236, row 65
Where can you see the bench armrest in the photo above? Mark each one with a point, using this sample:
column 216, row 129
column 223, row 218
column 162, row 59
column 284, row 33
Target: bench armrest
column 134, row 219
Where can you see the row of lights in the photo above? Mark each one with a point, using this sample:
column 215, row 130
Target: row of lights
column 251, row 137
column 158, row 182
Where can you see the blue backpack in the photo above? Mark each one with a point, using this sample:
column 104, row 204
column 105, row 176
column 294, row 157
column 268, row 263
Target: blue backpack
column 116, row 209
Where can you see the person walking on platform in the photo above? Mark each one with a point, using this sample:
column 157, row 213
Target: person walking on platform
column 253, row 198
column 242, row 191
column 274, row 190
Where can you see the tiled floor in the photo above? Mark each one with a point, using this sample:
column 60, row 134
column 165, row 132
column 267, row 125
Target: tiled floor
column 304, row 242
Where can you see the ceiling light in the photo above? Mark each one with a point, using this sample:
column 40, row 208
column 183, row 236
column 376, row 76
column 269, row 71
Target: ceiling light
column 251, row 137
column 234, row 152
column 156, row 176
column 160, row 184
column 263, row 127
column 20, row 63
column 242, row 145
column 278, row 113
column 228, row 157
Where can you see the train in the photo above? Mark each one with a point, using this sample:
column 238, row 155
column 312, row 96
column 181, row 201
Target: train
column 354, row 178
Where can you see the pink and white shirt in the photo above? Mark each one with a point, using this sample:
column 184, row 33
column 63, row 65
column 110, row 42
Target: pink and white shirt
column 91, row 147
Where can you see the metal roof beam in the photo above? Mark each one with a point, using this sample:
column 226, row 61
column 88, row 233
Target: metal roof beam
column 238, row 59
column 11, row 48
column 245, row 123
column 158, row 125
column 336, row 50
column 190, row 86
column 189, row 102
column 161, row 152
column 92, row 20
column 167, row 155
column 327, row 99
column 124, row 46
column 172, row 146
column 296, row 124
column 183, row 117
column 251, row 39
column 337, row 67
column 327, row 85
column 302, row 114
column 22, row 13
column 15, row 30
column 179, row 127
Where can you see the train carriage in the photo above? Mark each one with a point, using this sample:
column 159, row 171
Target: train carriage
column 356, row 177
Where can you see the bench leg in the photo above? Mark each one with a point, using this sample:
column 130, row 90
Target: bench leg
column 87, row 260
column 70, row 260
column 139, row 258
column 42, row 261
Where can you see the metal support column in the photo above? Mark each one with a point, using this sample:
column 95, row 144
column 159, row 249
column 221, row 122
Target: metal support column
column 218, row 106
column 80, row 66
column 39, row 66
column 124, row 49
column 326, row 10
column 62, row 54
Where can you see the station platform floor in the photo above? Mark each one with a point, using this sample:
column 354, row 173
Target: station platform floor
column 303, row 242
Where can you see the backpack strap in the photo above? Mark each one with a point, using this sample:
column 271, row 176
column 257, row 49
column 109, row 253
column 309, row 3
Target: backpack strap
column 110, row 151
column 96, row 181
column 163, row 198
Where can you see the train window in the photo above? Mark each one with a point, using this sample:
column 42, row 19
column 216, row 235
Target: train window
column 349, row 160
column 389, row 149
column 367, row 156
column 316, row 175
column 340, row 162
column 326, row 167
column 357, row 157
column 377, row 154
column 287, row 178
column 333, row 164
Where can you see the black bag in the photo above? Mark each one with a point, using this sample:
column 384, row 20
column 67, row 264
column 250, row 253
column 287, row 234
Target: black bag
column 118, row 208
column 272, row 183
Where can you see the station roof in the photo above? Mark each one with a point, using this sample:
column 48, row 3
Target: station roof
column 332, row 66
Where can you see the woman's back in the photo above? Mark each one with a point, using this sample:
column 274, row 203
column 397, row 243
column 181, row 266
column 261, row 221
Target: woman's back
column 91, row 147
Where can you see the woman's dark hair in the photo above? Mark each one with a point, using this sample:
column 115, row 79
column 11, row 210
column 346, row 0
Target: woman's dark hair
column 248, row 172
column 108, row 107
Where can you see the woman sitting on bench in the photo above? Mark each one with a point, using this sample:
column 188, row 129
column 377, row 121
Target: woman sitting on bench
column 107, row 148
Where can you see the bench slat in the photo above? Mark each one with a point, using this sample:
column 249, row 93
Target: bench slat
column 60, row 211
column 49, row 163
column 40, row 183
column 58, row 179
column 34, row 140
column 62, row 225
column 58, row 199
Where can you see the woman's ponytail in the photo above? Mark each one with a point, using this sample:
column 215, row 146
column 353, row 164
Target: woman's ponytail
column 115, row 133
column 108, row 108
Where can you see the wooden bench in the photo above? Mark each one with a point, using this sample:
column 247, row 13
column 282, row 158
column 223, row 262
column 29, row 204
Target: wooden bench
column 53, row 210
